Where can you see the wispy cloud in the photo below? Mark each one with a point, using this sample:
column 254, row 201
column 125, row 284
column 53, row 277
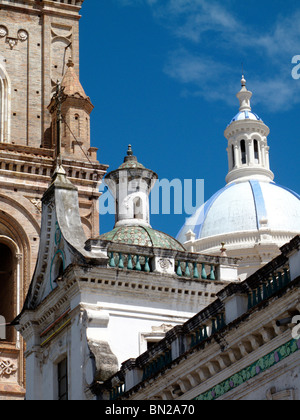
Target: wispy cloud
column 202, row 73
column 213, row 40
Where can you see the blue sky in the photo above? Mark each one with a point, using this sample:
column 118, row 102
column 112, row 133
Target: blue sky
column 163, row 75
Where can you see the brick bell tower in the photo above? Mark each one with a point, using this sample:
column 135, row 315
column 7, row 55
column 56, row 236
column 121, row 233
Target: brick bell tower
column 39, row 48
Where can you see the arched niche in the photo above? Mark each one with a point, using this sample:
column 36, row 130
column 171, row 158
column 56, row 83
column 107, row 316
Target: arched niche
column 9, row 285
column 5, row 105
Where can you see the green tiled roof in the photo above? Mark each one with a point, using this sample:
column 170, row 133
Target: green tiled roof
column 132, row 164
column 142, row 236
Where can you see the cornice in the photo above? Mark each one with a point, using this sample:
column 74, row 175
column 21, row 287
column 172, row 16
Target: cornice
column 69, row 8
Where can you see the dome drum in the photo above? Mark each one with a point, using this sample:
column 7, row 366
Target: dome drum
column 240, row 175
column 246, row 127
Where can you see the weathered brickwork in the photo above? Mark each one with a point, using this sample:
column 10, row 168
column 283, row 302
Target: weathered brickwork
column 37, row 40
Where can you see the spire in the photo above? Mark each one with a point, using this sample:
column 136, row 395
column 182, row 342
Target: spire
column 72, row 117
column 71, row 82
column 244, row 96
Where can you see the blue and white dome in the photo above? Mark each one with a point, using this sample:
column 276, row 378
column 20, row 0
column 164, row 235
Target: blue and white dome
column 245, row 115
column 246, row 207
column 252, row 215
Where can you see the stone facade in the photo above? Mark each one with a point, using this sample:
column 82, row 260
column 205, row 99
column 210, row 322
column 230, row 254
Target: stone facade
column 37, row 39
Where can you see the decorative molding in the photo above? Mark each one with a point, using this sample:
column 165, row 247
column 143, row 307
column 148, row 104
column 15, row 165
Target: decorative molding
column 12, row 41
column 22, row 35
column 55, row 328
column 165, row 264
column 260, row 366
column 3, row 31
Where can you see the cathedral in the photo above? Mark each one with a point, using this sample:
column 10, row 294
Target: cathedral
column 119, row 315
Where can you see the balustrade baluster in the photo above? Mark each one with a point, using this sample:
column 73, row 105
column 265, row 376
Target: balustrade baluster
column 129, row 263
column 196, row 272
column 187, row 270
column 121, row 261
column 203, row 273
column 112, row 260
column 138, row 264
column 179, row 270
column 212, row 273
column 147, row 266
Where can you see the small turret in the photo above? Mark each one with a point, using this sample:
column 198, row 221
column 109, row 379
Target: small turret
column 76, row 110
column 130, row 185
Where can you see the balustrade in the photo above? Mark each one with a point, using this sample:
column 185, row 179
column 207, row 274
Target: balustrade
column 267, row 288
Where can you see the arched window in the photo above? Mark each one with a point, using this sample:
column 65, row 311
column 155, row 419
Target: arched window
column 5, row 92
column 77, row 125
column 138, row 208
column 243, row 152
column 7, row 289
column 256, row 152
column 233, row 156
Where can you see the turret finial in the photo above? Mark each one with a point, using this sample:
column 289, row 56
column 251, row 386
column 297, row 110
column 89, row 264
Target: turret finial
column 129, row 151
column 243, row 81
column 244, row 96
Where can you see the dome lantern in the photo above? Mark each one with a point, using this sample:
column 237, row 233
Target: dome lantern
column 248, row 150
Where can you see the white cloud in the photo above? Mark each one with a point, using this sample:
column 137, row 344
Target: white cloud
column 208, row 78
column 206, row 73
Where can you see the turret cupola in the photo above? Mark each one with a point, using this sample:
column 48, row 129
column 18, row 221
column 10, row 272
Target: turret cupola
column 248, row 150
column 130, row 185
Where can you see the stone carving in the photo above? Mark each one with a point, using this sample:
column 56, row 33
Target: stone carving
column 164, row 264
column 12, row 42
column 7, row 368
column 22, row 35
column 3, row 31
column 37, row 203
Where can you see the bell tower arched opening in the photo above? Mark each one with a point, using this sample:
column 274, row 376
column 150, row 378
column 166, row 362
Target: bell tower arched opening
column 7, row 289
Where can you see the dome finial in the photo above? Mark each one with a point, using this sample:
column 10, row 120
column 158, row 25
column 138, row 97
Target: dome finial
column 129, row 151
column 129, row 155
column 244, row 96
column 243, row 81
